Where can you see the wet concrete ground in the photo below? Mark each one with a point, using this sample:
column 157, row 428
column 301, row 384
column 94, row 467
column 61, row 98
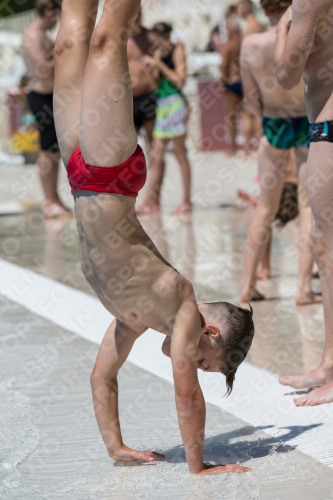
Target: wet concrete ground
column 51, row 447
column 207, row 248
column 49, row 441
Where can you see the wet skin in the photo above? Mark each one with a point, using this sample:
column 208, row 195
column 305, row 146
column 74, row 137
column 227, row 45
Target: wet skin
column 308, row 33
column 121, row 263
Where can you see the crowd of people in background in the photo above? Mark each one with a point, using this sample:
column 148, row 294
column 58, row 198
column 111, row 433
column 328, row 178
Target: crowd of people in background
column 158, row 73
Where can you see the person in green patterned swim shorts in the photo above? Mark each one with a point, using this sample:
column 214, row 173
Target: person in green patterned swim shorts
column 285, row 135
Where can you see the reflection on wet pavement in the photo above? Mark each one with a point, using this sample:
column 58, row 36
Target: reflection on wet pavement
column 50, row 446
column 207, row 248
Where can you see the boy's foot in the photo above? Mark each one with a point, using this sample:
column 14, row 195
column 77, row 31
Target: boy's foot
column 314, row 378
column 306, row 299
column 252, row 295
column 184, row 208
column 319, row 396
column 263, row 274
column 56, row 211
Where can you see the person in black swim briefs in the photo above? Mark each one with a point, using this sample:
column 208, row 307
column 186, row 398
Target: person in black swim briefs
column 299, row 32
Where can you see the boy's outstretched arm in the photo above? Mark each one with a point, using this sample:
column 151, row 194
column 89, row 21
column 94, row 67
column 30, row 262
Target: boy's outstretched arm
column 113, row 352
column 190, row 402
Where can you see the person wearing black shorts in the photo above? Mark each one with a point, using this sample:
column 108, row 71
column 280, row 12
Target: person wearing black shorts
column 41, row 106
column 38, row 54
column 144, row 109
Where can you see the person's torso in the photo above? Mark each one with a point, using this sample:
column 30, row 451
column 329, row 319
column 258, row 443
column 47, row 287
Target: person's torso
column 233, row 47
column 276, row 101
column 141, row 80
column 41, row 75
column 142, row 287
column 318, row 73
column 166, row 88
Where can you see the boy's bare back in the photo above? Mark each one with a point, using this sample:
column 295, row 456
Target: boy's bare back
column 257, row 61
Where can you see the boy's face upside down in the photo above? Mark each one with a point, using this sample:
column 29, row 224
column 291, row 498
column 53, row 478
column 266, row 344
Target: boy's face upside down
column 224, row 342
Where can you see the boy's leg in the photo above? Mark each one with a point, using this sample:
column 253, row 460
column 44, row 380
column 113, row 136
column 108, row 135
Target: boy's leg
column 78, row 19
column 304, row 292
column 273, row 169
column 107, row 132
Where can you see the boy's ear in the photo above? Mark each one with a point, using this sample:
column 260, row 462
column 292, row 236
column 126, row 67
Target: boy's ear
column 211, row 330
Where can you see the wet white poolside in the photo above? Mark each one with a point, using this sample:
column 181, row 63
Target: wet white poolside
column 49, row 442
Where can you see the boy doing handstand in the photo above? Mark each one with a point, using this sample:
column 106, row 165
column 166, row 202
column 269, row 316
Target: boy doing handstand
column 94, row 121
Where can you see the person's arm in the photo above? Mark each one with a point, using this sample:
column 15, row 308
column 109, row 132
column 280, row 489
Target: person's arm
column 176, row 76
column 114, row 350
column 225, row 51
column 252, row 100
column 295, row 38
column 190, row 402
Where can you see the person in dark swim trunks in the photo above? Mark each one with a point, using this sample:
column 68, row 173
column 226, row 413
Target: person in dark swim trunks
column 300, row 32
column 284, row 137
column 41, row 106
column 230, row 74
column 144, row 111
column 38, row 55
column 286, row 133
column 236, row 88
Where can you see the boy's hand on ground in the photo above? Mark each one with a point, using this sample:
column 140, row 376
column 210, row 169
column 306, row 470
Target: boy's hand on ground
column 125, row 454
column 210, row 469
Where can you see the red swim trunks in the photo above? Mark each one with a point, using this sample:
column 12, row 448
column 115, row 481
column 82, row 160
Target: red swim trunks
column 126, row 179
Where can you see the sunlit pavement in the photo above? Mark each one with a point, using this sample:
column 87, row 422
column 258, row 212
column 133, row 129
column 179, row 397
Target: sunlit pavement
column 49, row 439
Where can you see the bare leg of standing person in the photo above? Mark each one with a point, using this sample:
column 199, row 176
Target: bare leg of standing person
column 273, row 169
column 48, row 167
column 180, row 153
column 265, row 270
column 320, row 189
column 151, row 201
column 232, row 102
column 304, row 294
